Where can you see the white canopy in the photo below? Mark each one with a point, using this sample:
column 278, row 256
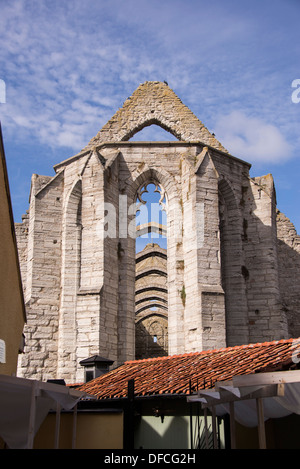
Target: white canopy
column 25, row 403
column 252, row 399
column 245, row 411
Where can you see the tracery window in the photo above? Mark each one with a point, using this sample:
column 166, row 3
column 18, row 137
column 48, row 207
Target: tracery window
column 151, row 273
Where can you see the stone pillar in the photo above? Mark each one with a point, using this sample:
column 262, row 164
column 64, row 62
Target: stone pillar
column 175, row 268
column 232, row 261
column 91, row 272
column 204, row 297
column 267, row 319
column 43, row 278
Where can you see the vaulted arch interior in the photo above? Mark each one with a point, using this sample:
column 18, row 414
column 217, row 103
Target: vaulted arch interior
column 151, row 284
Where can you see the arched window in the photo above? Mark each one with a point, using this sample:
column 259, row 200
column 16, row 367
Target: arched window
column 151, row 286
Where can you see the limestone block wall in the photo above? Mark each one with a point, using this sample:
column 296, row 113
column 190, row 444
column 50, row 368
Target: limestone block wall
column 266, row 317
column 288, row 249
column 230, row 263
column 222, row 267
column 249, row 255
column 42, row 285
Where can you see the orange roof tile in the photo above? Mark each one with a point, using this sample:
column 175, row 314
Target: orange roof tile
column 172, row 374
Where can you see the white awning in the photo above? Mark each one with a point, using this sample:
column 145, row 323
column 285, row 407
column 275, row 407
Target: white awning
column 251, row 400
column 25, row 403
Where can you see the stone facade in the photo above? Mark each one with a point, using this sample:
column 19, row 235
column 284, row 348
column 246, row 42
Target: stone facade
column 230, row 259
column 288, row 248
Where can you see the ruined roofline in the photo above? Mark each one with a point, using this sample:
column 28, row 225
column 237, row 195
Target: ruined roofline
column 154, row 102
column 146, row 144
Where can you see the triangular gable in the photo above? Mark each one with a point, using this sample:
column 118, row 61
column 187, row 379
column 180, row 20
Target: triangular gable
column 154, row 102
column 203, row 158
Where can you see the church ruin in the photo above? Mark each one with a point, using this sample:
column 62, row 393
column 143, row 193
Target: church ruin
column 229, row 274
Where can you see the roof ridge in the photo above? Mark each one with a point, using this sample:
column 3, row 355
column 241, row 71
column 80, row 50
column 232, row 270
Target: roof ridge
column 211, row 351
column 173, row 373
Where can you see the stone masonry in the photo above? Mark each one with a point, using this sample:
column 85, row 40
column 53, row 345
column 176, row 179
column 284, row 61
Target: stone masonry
column 230, row 274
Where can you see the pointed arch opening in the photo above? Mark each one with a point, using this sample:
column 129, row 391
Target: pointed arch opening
column 151, row 282
column 152, row 130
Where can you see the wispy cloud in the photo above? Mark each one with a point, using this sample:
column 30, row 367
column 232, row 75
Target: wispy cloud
column 252, row 139
column 68, row 66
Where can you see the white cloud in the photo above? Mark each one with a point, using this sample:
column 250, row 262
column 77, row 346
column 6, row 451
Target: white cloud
column 68, row 67
column 71, row 66
column 252, row 139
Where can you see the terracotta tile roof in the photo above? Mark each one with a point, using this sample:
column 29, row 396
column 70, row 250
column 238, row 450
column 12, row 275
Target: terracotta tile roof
column 172, row 374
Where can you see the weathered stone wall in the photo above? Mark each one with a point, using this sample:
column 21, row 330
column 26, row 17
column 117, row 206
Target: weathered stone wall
column 266, row 318
column 43, row 269
column 288, row 248
column 228, row 276
column 154, row 103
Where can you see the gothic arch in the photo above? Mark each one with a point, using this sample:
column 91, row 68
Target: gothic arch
column 152, row 336
column 147, row 123
column 227, row 191
column 151, row 270
column 167, row 183
column 73, row 204
column 158, row 253
column 154, row 287
column 151, row 305
column 153, row 315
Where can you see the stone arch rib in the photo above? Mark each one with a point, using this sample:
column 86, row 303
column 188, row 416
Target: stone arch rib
column 153, row 121
column 151, row 305
column 151, row 315
column 227, row 193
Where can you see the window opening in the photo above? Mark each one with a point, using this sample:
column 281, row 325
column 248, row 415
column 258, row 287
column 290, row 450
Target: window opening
column 151, row 272
column 151, row 217
column 153, row 133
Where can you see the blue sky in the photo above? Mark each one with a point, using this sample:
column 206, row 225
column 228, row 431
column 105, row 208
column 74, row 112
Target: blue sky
column 69, row 65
